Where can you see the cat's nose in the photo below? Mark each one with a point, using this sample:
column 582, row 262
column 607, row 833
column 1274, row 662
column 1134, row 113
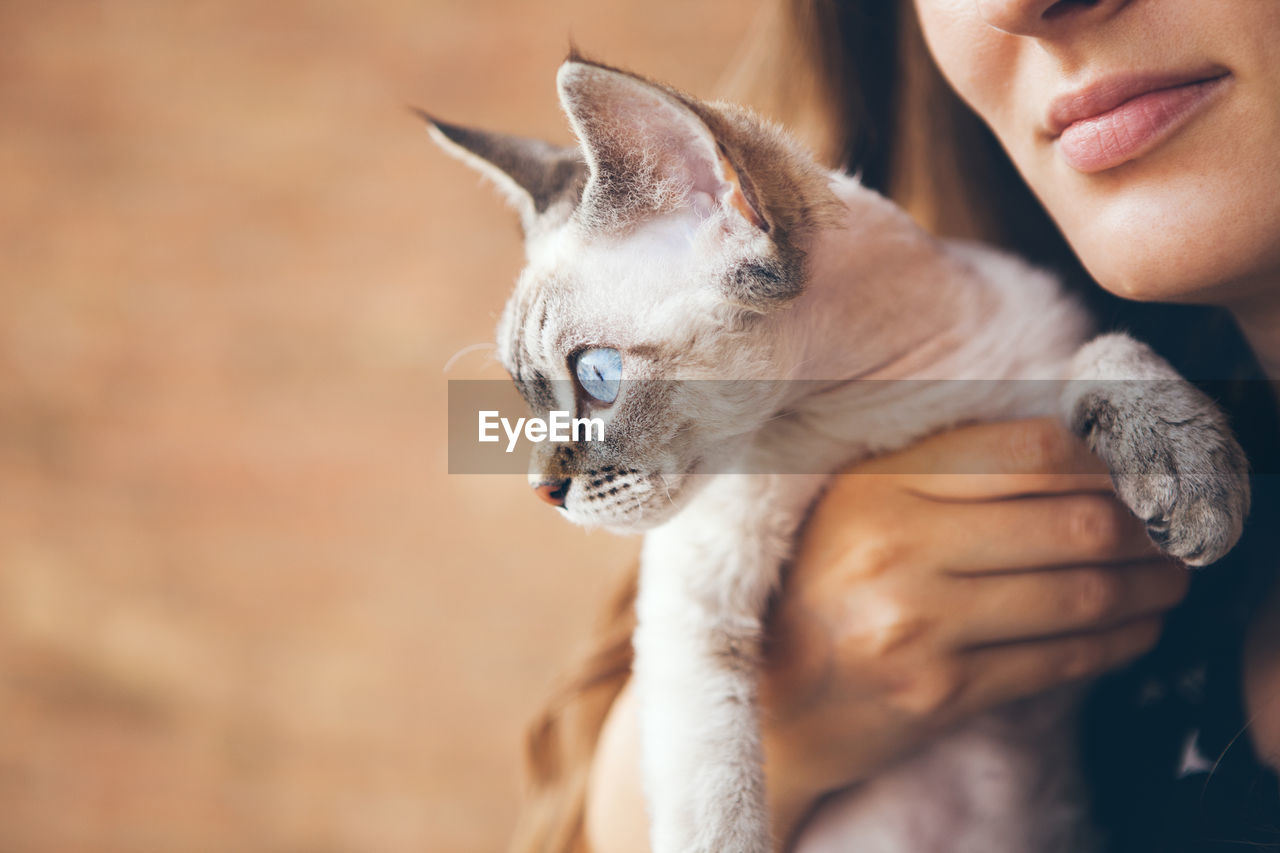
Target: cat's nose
column 553, row 491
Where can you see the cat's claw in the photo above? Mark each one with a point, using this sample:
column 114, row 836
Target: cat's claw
column 1196, row 529
column 1174, row 462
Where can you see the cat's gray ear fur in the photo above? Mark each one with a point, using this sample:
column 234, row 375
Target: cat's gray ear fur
column 534, row 176
column 648, row 150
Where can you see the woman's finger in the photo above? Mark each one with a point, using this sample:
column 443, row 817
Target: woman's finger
column 997, row 674
column 995, row 460
column 1032, row 606
column 1040, row 532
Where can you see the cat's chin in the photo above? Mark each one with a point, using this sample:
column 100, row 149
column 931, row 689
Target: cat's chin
column 631, row 529
column 631, row 522
column 646, row 503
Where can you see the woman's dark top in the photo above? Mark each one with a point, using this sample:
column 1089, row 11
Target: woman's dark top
column 1167, row 749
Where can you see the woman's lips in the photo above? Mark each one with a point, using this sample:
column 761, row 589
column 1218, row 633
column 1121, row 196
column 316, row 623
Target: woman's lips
column 1118, row 120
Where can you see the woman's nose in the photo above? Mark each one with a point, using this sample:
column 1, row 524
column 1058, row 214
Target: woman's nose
column 1039, row 18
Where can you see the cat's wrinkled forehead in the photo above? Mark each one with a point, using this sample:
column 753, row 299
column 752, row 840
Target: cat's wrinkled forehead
column 525, row 337
column 581, row 287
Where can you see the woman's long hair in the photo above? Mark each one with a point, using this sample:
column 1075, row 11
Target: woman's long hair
column 855, row 81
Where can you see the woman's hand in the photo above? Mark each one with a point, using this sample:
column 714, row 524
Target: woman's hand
column 921, row 593
column 918, row 598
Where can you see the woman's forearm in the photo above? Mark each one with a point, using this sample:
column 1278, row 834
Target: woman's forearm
column 614, row 814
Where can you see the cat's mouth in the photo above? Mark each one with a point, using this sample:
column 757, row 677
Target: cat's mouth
column 623, row 500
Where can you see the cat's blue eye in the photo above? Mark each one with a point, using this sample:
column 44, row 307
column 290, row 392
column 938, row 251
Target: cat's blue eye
column 600, row 373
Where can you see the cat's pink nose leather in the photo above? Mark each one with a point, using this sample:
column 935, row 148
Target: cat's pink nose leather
column 553, row 491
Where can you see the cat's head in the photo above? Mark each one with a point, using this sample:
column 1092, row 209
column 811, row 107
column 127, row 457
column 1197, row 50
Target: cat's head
column 658, row 250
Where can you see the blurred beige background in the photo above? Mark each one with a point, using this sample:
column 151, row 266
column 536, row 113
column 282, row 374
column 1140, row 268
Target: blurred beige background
column 242, row 605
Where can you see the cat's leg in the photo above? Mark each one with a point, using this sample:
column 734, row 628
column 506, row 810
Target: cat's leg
column 695, row 673
column 1171, row 453
column 705, row 581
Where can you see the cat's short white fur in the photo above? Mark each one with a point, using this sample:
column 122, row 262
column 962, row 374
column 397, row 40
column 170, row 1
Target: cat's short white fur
column 702, row 244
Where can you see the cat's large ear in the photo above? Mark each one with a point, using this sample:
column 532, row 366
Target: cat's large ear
column 534, row 176
column 648, row 151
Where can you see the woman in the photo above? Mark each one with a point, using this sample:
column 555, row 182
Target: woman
column 1148, row 130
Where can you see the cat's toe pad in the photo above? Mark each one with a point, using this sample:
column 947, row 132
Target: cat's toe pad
column 1175, row 464
column 1195, row 528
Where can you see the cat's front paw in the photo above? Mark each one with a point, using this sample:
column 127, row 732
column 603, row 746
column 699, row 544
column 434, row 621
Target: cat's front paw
column 1174, row 461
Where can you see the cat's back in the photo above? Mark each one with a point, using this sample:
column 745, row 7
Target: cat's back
column 1032, row 326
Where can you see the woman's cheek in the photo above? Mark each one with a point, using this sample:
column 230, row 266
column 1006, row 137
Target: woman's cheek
column 978, row 61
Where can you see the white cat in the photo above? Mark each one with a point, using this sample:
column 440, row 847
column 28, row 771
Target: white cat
column 687, row 241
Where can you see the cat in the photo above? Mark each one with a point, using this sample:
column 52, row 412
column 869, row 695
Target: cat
column 683, row 240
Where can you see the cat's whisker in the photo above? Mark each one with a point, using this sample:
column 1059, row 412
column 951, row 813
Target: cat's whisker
column 470, row 348
column 666, row 486
column 1273, row 701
